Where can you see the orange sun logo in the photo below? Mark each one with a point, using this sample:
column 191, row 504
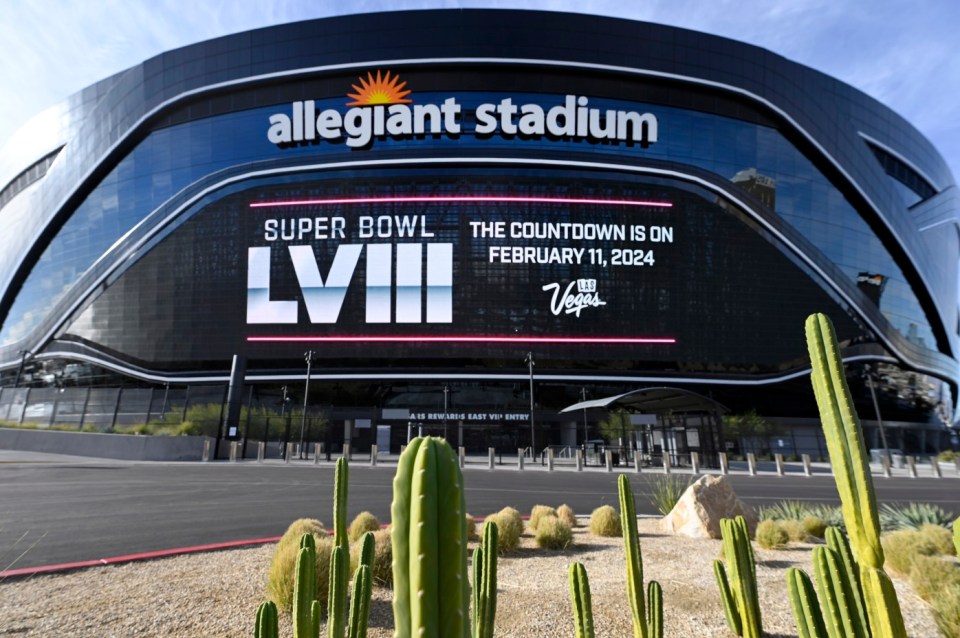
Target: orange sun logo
column 379, row 90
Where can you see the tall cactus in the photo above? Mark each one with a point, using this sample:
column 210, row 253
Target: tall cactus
column 337, row 599
column 837, row 541
column 580, row 599
column 305, row 588
column 844, row 437
column 631, row 545
column 429, row 538
column 741, row 602
column 336, row 596
column 485, row 582
column 267, row 623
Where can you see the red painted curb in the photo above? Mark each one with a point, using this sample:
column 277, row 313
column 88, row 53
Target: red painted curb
column 129, row 558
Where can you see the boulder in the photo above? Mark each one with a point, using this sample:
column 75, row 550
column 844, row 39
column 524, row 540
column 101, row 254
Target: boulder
column 698, row 512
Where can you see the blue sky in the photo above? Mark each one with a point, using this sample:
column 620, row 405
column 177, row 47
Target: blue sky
column 900, row 51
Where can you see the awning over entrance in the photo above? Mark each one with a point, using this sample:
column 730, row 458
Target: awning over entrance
column 660, row 400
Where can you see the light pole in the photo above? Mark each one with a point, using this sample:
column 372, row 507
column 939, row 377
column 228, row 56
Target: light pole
column 446, row 394
column 876, row 407
column 23, row 359
column 533, row 439
column 308, row 357
column 583, row 397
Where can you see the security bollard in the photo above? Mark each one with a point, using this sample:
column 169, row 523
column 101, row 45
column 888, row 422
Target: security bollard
column 233, row 451
column 579, row 456
column 261, row 451
column 289, row 454
column 912, row 466
column 608, row 456
column 778, row 459
column 373, row 455
column 936, row 467
column 807, row 468
column 751, row 464
column 724, row 463
column 695, row 462
column 463, row 456
column 666, row 464
column 347, row 452
column 550, row 460
column 206, row 450
column 491, row 458
column 520, row 458
column 637, row 461
column 885, row 464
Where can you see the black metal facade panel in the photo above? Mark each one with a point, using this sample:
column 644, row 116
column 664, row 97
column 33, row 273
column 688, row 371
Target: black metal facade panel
column 111, row 116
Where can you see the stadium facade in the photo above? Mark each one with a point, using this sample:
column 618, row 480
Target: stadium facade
column 423, row 199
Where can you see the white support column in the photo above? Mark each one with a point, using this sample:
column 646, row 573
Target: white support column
column 289, row 453
column 935, row 466
column 233, row 451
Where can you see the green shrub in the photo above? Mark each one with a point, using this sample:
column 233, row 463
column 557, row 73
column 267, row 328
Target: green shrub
column 471, row 528
column 814, row 526
column 930, row 575
column 282, row 573
column 795, row 530
column 912, row 516
column 508, row 538
column 538, row 513
column 939, row 537
column 666, row 490
column 566, row 514
column 785, row 511
column 605, row 521
column 901, row 548
column 947, row 456
column 770, row 535
column 363, row 522
column 552, row 533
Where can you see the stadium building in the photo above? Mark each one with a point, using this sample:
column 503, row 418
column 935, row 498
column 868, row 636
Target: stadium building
column 452, row 210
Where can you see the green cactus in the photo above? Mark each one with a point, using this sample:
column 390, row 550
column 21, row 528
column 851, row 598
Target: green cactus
column 367, row 548
column 654, row 610
column 837, row 541
column 956, row 535
column 839, row 610
column 336, row 609
column 305, row 588
column 485, row 582
column 266, row 624
column 430, row 577
column 806, row 607
column 360, row 601
column 631, row 546
column 844, row 436
column 338, row 602
column 316, row 610
column 741, row 602
column 580, row 598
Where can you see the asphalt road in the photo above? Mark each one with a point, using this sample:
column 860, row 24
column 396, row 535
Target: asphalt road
column 72, row 510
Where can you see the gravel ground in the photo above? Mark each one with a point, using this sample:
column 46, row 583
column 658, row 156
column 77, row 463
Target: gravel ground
column 216, row 594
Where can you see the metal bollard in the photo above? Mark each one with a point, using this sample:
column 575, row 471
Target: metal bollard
column 550, row 460
column 233, row 451
column 912, row 466
column 885, row 464
column 751, row 464
column 778, row 459
column 956, row 462
column 936, row 467
column 724, row 463
column 807, row 468
column 520, row 458
column 579, row 456
column 666, row 464
column 317, row 453
column 347, row 452
column 637, row 461
column 261, row 451
column 206, row 450
column 491, row 457
column 695, row 462
column 463, row 456
column 374, row 451
column 289, row 454
column 608, row 458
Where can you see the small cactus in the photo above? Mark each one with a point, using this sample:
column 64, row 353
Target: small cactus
column 839, row 610
column 956, row 536
column 336, row 597
column 360, row 601
column 485, row 583
column 806, row 607
column 837, row 541
column 654, row 610
column 741, row 602
column 580, row 598
column 266, row 624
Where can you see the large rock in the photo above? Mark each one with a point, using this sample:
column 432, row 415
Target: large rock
column 698, row 512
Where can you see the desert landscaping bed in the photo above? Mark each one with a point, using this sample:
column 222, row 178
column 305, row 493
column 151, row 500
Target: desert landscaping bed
column 216, row 594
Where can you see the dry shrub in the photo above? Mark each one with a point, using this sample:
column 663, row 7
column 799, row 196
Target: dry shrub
column 771, row 535
column 471, row 528
column 901, row 548
column 946, row 612
column 939, row 537
column 795, row 530
column 566, row 514
column 508, row 530
column 512, row 516
column 538, row 513
column 383, row 557
column 552, row 533
column 814, row 526
column 364, row 522
column 605, row 521
column 931, row 575
column 283, row 565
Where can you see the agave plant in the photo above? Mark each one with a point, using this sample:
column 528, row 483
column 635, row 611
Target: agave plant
column 913, row 516
column 666, row 490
